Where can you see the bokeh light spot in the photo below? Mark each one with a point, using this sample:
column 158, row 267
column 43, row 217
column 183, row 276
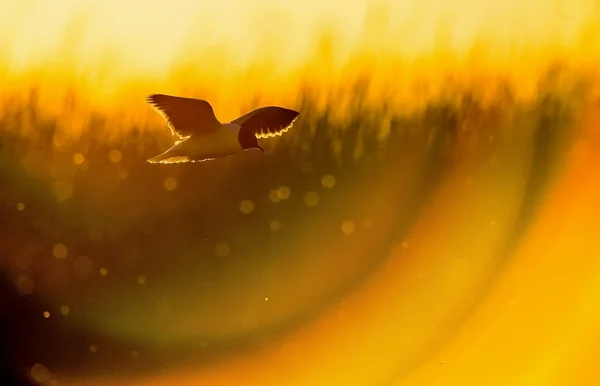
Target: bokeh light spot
column 115, row 156
column 273, row 196
column 60, row 251
column 78, row 158
column 328, row 181
column 275, row 225
column 24, row 285
column 246, row 206
column 64, row 309
column 40, row 373
column 20, row 207
column 348, row 227
column 284, row 192
column 46, row 314
column 311, row 199
column 170, row 184
column 103, row 271
column 222, row 250
column 93, row 349
column 141, row 279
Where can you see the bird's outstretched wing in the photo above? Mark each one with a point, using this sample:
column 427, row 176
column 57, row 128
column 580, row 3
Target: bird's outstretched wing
column 267, row 121
column 185, row 116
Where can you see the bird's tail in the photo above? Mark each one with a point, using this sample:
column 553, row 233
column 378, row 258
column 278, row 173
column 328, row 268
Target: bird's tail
column 171, row 156
column 159, row 158
column 168, row 158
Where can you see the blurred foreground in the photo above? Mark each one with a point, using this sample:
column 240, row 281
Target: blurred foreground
column 349, row 254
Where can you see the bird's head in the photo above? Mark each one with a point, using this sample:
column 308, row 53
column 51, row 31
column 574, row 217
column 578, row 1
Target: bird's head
column 249, row 141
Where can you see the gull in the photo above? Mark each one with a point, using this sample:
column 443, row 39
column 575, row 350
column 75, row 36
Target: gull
column 202, row 137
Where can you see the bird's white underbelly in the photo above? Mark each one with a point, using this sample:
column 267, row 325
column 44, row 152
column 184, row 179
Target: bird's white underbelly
column 214, row 144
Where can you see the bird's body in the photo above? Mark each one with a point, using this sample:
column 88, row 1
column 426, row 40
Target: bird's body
column 204, row 138
column 215, row 144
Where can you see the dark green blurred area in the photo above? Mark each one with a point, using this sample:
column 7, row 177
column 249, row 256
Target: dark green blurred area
column 136, row 251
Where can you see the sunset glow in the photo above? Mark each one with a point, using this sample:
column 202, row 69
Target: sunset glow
column 131, row 47
column 430, row 219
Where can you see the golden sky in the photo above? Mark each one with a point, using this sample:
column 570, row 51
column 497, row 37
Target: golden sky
column 142, row 38
column 233, row 50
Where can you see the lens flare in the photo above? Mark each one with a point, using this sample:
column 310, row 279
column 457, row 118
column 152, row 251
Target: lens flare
column 430, row 219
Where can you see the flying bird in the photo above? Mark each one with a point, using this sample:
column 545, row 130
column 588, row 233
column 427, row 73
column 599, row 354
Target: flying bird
column 202, row 137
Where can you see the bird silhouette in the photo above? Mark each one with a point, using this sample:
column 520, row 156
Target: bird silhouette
column 204, row 138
